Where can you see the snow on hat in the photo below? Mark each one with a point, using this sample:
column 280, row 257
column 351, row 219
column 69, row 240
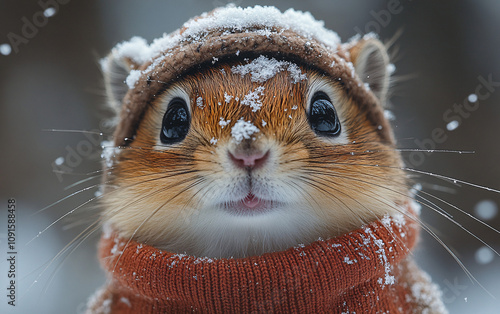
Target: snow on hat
column 231, row 32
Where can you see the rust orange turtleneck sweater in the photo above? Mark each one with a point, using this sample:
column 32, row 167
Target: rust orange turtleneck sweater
column 365, row 271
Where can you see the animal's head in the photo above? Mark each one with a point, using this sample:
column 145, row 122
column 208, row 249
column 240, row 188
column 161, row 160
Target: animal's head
column 248, row 131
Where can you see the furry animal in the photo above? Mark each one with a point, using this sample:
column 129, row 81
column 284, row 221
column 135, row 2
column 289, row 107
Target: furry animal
column 253, row 155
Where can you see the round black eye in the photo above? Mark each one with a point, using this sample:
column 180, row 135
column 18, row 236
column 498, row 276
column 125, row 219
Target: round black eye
column 323, row 117
column 175, row 124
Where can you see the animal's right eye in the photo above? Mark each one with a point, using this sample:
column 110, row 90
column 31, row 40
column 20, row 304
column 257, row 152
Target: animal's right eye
column 175, row 125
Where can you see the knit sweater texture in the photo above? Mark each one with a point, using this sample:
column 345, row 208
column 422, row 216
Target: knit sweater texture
column 365, row 271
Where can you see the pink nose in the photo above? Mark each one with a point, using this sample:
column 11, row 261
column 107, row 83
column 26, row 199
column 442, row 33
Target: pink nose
column 249, row 160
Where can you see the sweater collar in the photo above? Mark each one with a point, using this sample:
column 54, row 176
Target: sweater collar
column 315, row 277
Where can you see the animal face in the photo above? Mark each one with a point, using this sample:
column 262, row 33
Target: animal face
column 252, row 155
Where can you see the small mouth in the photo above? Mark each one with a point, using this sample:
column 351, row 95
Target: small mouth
column 251, row 201
column 251, row 204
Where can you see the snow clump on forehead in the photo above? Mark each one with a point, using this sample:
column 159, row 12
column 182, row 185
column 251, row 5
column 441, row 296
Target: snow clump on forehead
column 243, row 130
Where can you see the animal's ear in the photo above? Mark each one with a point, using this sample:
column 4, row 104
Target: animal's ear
column 116, row 68
column 371, row 63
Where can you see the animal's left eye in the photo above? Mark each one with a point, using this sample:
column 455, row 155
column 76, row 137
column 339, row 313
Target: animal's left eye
column 323, row 117
column 175, row 125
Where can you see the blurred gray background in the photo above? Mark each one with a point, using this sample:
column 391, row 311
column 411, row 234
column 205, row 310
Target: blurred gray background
column 51, row 80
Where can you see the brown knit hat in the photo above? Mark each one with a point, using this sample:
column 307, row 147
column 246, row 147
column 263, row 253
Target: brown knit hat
column 235, row 32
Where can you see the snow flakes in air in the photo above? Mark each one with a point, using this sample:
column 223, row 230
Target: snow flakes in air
column 252, row 99
column 486, row 209
column 484, row 255
column 243, row 130
column 452, row 125
column 5, row 49
column 49, row 12
column 263, row 123
column 389, row 115
column 263, row 68
column 213, row 141
column 472, row 98
column 223, row 122
column 59, row 160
